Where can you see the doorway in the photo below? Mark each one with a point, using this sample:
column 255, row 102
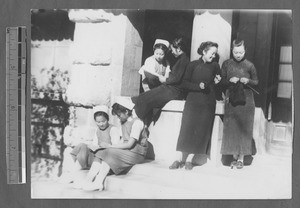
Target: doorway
column 166, row 24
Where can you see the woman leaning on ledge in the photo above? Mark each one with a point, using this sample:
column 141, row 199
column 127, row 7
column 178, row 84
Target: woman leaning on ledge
column 238, row 76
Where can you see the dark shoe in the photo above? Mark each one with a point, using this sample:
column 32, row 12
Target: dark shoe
column 188, row 166
column 176, row 164
column 233, row 164
column 239, row 165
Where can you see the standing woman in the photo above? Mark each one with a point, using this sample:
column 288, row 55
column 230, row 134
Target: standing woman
column 238, row 75
column 199, row 110
column 170, row 88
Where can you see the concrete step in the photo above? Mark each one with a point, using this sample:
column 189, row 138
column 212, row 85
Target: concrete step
column 154, row 180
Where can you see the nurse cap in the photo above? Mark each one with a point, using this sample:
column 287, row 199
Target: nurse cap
column 125, row 102
column 100, row 108
column 161, row 41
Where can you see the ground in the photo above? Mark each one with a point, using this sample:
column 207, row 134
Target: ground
column 269, row 177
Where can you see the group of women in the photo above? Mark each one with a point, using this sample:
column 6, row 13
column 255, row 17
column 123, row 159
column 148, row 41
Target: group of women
column 197, row 79
column 194, row 80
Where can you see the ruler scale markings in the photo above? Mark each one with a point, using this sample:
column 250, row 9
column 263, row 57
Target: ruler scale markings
column 15, row 104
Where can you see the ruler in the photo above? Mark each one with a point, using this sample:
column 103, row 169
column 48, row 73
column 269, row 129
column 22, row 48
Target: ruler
column 16, row 43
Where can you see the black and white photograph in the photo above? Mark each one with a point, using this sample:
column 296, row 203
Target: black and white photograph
column 161, row 104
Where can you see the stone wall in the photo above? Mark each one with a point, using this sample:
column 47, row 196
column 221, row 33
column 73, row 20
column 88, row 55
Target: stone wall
column 105, row 57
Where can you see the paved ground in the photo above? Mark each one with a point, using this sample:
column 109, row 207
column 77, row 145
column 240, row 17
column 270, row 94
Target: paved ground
column 269, row 177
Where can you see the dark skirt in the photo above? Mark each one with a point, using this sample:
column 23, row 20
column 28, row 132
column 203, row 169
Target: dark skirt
column 238, row 127
column 196, row 125
column 119, row 160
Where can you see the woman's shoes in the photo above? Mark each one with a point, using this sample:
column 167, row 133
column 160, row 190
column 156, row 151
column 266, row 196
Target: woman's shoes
column 176, row 164
column 237, row 164
column 188, row 166
column 233, row 164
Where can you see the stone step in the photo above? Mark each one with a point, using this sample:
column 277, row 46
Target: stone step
column 153, row 180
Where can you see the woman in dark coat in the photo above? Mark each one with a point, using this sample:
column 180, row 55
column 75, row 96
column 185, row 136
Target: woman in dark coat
column 199, row 110
column 238, row 75
column 169, row 90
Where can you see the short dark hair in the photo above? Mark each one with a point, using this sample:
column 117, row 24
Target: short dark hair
column 100, row 113
column 117, row 109
column 205, row 46
column 238, row 43
column 161, row 46
column 179, row 43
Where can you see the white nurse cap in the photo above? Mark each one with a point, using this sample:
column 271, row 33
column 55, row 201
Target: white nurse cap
column 100, row 108
column 125, row 102
column 165, row 42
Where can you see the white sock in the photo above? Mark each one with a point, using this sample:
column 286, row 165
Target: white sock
column 94, row 170
column 190, row 157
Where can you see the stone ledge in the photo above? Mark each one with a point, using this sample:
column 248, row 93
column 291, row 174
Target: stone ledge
column 178, row 105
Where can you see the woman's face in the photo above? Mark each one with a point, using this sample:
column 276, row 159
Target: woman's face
column 101, row 122
column 159, row 54
column 210, row 54
column 176, row 51
column 122, row 117
column 238, row 52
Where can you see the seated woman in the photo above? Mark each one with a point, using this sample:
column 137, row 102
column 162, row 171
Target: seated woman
column 119, row 158
column 83, row 153
column 170, row 88
column 155, row 66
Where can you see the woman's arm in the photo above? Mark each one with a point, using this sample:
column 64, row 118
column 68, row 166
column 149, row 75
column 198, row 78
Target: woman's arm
column 95, row 138
column 167, row 72
column 218, row 77
column 135, row 133
column 186, row 82
column 127, row 145
column 224, row 79
column 149, row 66
column 114, row 135
column 178, row 70
column 253, row 76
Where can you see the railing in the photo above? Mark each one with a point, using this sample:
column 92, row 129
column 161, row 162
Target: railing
column 49, row 116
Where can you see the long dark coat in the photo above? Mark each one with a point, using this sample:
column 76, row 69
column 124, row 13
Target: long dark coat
column 199, row 110
column 238, row 119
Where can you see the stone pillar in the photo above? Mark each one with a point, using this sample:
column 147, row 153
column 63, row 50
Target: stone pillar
column 133, row 53
column 105, row 57
column 212, row 25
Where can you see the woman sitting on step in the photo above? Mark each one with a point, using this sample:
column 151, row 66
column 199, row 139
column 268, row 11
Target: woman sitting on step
column 119, row 158
column 83, row 154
